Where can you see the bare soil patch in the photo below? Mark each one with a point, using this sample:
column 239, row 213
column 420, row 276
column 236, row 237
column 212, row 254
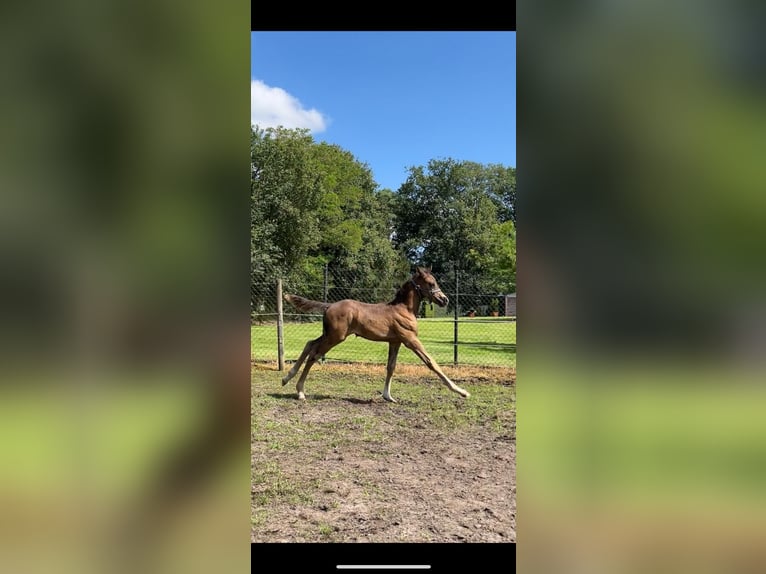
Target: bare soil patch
column 347, row 466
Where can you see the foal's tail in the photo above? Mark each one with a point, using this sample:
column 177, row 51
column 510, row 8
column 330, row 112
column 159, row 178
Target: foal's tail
column 305, row 304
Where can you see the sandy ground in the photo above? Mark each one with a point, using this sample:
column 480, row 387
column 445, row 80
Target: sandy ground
column 348, row 469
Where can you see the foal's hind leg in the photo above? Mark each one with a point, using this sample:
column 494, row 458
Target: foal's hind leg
column 393, row 351
column 419, row 350
column 297, row 366
column 316, row 349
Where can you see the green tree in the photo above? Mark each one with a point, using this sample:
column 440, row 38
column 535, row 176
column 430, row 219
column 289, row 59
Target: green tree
column 460, row 213
column 500, row 260
column 315, row 204
column 285, row 195
column 355, row 223
column 345, row 183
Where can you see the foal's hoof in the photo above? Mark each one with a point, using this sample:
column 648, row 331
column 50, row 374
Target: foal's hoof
column 390, row 399
column 284, row 381
column 301, row 396
column 465, row 394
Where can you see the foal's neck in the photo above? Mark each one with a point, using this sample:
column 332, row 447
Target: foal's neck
column 408, row 296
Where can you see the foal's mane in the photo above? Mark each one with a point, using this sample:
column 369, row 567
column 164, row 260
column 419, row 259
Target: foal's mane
column 409, row 285
column 401, row 294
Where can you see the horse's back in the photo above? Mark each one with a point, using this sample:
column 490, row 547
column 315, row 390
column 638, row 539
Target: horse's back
column 373, row 321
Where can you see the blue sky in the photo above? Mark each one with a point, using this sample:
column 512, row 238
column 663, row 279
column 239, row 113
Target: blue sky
column 393, row 99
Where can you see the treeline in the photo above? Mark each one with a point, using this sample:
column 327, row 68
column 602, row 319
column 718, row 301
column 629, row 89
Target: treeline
column 314, row 203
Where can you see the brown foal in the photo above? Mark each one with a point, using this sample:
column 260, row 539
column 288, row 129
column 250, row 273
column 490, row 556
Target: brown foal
column 395, row 322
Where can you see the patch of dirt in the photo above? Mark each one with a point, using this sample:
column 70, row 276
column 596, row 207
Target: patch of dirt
column 406, row 482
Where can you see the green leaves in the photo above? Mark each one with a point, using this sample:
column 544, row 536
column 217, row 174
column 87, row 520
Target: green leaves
column 285, row 194
column 460, row 212
column 315, row 202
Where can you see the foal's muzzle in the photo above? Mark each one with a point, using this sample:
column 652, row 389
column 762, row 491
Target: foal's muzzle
column 439, row 297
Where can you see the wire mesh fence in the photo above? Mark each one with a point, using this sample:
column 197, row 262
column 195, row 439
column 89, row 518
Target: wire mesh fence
column 474, row 329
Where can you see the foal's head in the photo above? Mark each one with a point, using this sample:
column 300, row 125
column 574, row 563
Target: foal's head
column 428, row 287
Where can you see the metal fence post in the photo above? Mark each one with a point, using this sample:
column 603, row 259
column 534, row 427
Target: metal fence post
column 324, row 285
column 280, row 325
column 457, row 300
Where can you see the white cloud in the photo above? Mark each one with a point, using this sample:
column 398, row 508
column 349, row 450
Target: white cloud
column 272, row 107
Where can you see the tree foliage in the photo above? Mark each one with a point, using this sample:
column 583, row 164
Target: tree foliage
column 460, row 213
column 285, row 193
column 314, row 203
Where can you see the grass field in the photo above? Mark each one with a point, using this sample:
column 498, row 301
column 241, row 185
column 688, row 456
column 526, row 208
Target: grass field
column 482, row 341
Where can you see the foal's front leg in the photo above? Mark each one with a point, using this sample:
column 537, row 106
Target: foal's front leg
column 420, row 351
column 393, row 351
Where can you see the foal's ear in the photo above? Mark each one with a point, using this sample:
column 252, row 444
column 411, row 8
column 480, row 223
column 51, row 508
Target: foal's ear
column 419, row 270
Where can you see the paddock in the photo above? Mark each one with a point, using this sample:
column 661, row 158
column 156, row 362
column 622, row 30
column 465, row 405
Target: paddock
column 345, row 465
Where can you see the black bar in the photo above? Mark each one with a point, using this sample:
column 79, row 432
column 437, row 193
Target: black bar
column 267, row 18
column 440, row 556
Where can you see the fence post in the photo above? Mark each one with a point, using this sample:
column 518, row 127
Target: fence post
column 324, row 285
column 457, row 301
column 280, row 325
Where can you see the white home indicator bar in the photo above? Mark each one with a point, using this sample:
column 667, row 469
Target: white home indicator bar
column 384, row 566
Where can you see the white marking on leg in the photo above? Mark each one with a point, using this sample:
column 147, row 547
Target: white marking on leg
column 296, row 367
column 387, row 392
column 393, row 351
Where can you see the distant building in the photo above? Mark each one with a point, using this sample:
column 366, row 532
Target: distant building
column 510, row 305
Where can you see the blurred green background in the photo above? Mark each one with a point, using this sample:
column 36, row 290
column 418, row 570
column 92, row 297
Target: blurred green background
column 124, row 334
column 642, row 323
column 124, row 278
